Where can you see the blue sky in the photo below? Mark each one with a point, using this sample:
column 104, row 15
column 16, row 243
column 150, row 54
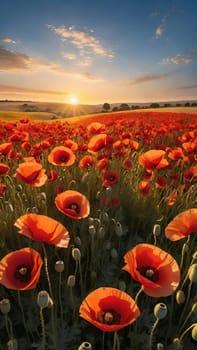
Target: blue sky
column 114, row 51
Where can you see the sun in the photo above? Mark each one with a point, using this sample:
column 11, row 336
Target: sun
column 73, row 100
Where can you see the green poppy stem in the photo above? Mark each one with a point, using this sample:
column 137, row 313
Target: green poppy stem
column 43, row 329
column 116, row 344
column 152, row 332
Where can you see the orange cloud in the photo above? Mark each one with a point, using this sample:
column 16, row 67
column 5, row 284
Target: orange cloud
column 148, row 78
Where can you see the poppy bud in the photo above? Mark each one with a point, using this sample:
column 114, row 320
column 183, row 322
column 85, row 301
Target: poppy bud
column 90, row 220
column 180, row 297
column 160, row 346
column 77, row 240
column 43, row 196
column 156, row 230
column 12, row 344
column 71, row 281
column 85, row 346
column 114, row 253
column 160, row 310
column 59, row 266
column 76, row 254
column 85, row 178
column 118, row 229
column 122, row 285
column 92, row 230
column 194, row 256
column 43, row 299
column 101, row 232
column 193, row 273
column 35, row 210
column 105, row 217
column 194, row 332
column 5, row 306
column 194, row 308
column 177, row 344
column 19, row 188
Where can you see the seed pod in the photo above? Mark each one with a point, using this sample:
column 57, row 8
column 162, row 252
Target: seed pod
column 77, row 241
column 177, row 344
column 43, row 299
column 101, row 232
column 180, row 297
column 118, row 229
column 160, row 346
column 43, row 196
column 85, row 178
column 105, row 217
column 59, row 266
column 5, row 306
column 160, row 310
column 193, row 273
column 92, row 230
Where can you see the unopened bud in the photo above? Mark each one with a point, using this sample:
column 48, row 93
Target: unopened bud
column 160, row 346
column 156, row 230
column 59, row 266
column 76, row 254
column 85, row 346
column 5, row 306
column 160, row 310
column 194, row 332
column 114, row 253
column 101, row 232
column 193, row 273
column 118, row 229
column 43, row 196
column 180, row 297
column 92, row 230
column 35, row 210
column 43, row 299
column 177, row 345
column 85, row 178
column 105, row 217
column 77, row 241
column 71, row 281
column 12, row 344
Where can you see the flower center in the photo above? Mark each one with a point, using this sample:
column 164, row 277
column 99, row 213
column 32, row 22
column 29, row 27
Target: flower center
column 74, row 207
column 149, row 272
column 109, row 317
column 23, row 273
column 63, row 158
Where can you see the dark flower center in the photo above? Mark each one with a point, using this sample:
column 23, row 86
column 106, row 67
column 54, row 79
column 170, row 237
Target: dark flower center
column 63, row 157
column 74, row 207
column 149, row 272
column 111, row 178
column 23, row 273
column 109, row 317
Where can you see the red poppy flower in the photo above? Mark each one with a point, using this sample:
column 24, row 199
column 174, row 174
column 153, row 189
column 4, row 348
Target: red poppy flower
column 72, row 145
column 21, row 269
column 109, row 309
column 53, row 175
column 62, row 156
column 96, row 127
column 153, row 159
column 73, row 204
column 42, row 228
column 5, row 148
column 4, row 169
column 110, row 202
column 145, row 188
column 110, row 177
column 32, row 173
column 154, row 268
column 127, row 163
column 97, row 142
column 161, row 182
column 183, row 225
column 86, row 162
column 2, row 189
column 102, row 163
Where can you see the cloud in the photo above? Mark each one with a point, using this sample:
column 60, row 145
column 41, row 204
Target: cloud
column 82, row 40
column 89, row 76
column 7, row 40
column 194, row 86
column 15, row 61
column 149, row 77
column 69, row 56
column 160, row 29
column 177, row 59
column 21, row 90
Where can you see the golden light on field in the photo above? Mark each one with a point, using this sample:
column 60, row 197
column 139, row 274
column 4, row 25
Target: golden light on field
column 73, row 100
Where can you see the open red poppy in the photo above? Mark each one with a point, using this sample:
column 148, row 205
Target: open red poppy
column 153, row 159
column 42, row 228
column 32, row 173
column 4, row 169
column 97, row 142
column 154, row 268
column 21, row 269
column 109, row 309
column 73, row 204
column 183, row 225
column 62, row 156
column 110, row 177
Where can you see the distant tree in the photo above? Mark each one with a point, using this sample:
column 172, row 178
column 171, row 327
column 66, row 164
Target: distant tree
column 167, row 105
column 194, row 104
column 124, row 107
column 115, row 109
column 178, row 104
column 106, row 107
column 187, row 104
column 154, row 105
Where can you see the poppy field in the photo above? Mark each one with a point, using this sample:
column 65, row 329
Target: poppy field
column 98, row 232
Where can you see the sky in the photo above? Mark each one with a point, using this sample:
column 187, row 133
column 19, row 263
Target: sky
column 93, row 52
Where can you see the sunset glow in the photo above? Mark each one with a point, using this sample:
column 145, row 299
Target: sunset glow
column 62, row 51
